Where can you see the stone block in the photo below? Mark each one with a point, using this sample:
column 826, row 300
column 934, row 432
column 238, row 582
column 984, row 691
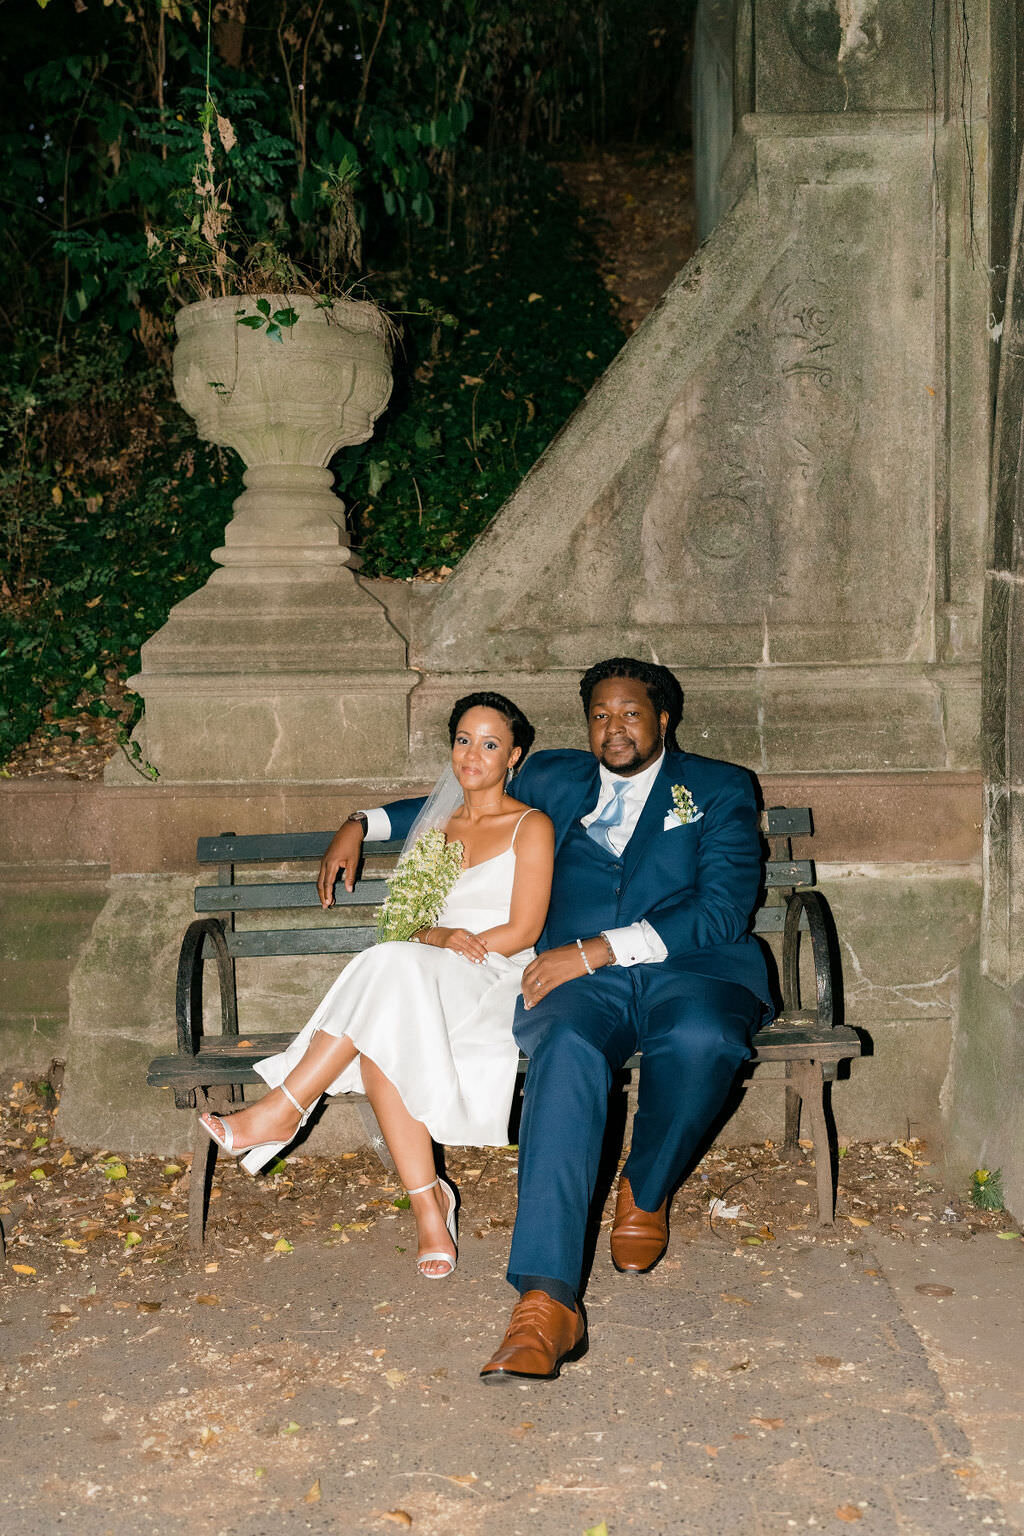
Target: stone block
column 307, row 728
column 984, row 1126
column 44, row 924
column 122, row 1014
column 901, row 934
column 821, row 56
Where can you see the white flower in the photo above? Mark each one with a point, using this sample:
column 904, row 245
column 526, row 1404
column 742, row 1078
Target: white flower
column 686, row 808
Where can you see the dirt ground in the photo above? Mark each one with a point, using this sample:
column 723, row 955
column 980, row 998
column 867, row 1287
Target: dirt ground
column 91, row 1221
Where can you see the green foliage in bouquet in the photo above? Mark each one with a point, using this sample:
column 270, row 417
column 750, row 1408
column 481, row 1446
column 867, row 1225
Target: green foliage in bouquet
column 419, row 886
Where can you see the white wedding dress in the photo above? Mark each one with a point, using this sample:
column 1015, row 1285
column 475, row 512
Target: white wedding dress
column 437, row 1025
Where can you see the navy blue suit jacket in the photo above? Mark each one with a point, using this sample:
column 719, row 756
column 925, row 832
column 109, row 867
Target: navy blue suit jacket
column 696, row 884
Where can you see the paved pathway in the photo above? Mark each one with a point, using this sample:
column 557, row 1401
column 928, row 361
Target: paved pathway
column 749, row 1390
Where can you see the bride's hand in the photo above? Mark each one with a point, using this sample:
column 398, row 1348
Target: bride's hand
column 470, row 945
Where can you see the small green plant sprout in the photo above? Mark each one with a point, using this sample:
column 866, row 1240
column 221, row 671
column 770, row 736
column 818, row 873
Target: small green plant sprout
column 275, row 322
column 987, row 1189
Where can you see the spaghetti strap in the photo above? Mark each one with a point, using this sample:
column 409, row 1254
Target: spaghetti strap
column 519, row 824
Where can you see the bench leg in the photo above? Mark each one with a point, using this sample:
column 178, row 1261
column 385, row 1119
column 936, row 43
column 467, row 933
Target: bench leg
column 810, row 1081
column 204, row 1155
column 791, row 1133
column 373, row 1134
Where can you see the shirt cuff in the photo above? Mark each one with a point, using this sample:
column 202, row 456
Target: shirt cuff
column 378, row 825
column 638, row 944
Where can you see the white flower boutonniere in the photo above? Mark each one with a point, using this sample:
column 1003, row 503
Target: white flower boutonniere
column 419, row 886
column 686, row 809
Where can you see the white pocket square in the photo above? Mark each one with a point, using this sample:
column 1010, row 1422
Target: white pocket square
column 672, row 820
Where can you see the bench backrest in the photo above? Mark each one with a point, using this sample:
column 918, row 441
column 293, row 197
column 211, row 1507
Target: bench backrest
column 228, row 897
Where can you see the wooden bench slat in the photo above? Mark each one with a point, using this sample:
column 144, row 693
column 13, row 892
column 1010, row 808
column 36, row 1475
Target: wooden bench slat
column 272, row 847
column 284, row 895
column 294, row 941
column 789, row 821
column 298, row 895
column 789, row 872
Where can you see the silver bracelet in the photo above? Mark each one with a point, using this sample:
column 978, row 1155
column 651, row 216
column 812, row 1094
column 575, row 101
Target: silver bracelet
column 589, row 968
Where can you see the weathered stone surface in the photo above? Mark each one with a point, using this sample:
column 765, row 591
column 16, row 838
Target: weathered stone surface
column 824, row 56
column 984, row 1125
column 45, row 921
column 901, row 932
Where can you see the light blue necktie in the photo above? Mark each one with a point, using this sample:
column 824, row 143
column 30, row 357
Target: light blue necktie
column 613, row 815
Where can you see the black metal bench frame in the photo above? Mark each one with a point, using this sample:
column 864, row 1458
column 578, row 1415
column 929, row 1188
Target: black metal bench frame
column 210, row 1072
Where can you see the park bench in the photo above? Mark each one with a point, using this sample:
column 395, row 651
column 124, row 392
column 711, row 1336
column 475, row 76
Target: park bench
column 208, row 1072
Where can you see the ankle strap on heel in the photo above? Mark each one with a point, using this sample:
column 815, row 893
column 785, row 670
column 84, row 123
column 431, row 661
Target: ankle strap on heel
column 423, row 1188
column 292, row 1099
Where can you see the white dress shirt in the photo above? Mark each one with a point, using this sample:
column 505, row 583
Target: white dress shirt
column 637, row 944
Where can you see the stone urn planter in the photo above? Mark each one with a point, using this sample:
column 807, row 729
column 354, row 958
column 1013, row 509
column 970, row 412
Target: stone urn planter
column 282, row 668
column 286, row 406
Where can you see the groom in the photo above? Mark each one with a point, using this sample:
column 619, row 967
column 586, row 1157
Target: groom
column 646, row 948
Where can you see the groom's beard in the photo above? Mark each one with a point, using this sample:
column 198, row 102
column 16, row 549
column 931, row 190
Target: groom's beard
column 626, row 766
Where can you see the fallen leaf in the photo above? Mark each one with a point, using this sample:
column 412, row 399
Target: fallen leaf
column 208, row 1436
column 291, row 1428
column 531, row 298
column 934, row 1290
column 23, row 1269
column 767, row 1423
column 741, row 1365
column 208, row 1301
column 171, row 1168
column 133, row 1240
column 313, row 1496
column 37, row 1174
column 398, row 1516
column 211, row 1268
column 849, row 1513
column 464, row 1480
column 712, row 1450
column 858, row 1221
column 148, row 1306
column 115, row 1170
column 1008, row 1237
column 394, row 1378
column 738, row 1301
column 830, row 1362
column 283, row 1246
column 597, row 1530
column 66, row 1161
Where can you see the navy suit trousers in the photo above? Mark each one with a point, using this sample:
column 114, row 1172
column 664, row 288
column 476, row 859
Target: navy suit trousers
column 694, row 1032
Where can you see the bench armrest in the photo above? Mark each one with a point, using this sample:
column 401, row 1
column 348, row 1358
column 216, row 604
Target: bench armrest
column 188, row 1004
column 821, row 929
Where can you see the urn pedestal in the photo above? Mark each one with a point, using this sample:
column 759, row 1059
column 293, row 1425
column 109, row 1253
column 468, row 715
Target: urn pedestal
column 281, row 668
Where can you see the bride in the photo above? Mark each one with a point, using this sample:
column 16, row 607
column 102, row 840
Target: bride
column 424, row 1027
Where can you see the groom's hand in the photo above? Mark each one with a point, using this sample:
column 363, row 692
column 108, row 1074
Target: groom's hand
column 555, row 966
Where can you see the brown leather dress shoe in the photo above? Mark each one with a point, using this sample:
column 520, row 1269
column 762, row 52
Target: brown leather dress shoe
column 542, row 1335
column 639, row 1238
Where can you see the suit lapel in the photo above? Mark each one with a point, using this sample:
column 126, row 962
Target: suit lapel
column 584, row 800
column 659, row 802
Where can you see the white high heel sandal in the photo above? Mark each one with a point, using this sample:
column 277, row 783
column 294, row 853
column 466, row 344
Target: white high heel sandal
column 450, row 1221
column 257, row 1157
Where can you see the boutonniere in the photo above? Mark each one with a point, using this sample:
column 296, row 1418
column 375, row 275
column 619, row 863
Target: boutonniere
column 685, row 806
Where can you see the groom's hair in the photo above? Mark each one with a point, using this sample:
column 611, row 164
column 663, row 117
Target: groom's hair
column 522, row 731
column 663, row 689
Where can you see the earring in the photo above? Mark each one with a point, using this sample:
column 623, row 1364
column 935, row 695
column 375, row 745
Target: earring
column 508, row 774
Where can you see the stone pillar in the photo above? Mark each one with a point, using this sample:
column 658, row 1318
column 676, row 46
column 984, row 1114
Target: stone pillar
column 282, row 667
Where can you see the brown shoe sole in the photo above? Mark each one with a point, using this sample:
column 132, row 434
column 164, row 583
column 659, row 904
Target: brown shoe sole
column 576, row 1353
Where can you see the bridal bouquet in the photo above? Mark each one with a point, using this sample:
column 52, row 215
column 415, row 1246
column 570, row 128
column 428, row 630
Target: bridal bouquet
column 419, row 886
